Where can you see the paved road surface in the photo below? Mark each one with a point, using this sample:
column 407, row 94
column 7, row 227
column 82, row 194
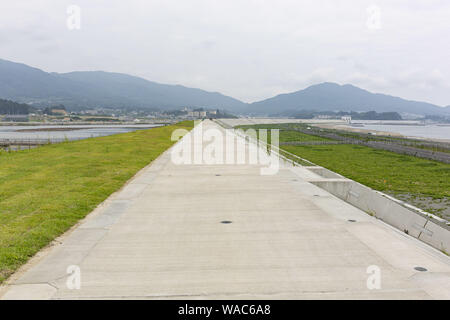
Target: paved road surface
column 161, row 237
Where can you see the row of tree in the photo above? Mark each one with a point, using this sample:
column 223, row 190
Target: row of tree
column 11, row 107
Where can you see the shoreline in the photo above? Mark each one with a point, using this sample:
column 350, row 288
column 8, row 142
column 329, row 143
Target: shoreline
column 378, row 132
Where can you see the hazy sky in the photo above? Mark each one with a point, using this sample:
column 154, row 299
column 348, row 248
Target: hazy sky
column 250, row 50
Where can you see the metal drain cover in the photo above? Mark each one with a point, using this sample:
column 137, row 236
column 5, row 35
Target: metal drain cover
column 421, row 269
column 351, row 220
column 226, row 222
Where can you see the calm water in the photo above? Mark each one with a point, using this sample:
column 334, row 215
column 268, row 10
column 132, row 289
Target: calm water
column 83, row 131
column 420, row 131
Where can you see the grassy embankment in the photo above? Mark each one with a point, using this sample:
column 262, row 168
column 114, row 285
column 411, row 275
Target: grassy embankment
column 45, row 191
column 423, row 183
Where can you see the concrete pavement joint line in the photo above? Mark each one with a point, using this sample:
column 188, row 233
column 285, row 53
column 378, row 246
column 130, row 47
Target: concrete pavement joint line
column 40, row 282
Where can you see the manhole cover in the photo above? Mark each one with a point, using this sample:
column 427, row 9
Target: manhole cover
column 225, row 222
column 422, row 269
column 351, row 220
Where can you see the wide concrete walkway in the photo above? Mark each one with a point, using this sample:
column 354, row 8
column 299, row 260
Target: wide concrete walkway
column 162, row 237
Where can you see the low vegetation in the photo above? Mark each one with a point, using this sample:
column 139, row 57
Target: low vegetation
column 286, row 133
column 45, row 191
column 381, row 170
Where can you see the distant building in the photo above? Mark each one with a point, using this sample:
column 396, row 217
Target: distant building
column 16, row 118
column 56, row 111
column 197, row 114
column 347, row 119
column 93, row 112
column 61, row 112
column 200, row 114
column 323, row 116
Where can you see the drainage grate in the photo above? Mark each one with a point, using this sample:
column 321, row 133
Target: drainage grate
column 351, row 220
column 421, row 269
column 218, row 175
column 226, row 222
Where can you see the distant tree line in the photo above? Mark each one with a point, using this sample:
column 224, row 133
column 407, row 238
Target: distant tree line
column 436, row 118
column 11, row 107
column 372, row 115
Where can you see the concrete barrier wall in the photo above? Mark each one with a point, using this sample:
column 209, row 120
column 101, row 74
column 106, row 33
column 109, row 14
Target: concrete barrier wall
column 389, row 210
column 324, row 172
column 413, row 221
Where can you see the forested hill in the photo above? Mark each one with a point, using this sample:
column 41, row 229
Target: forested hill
column 11, row 107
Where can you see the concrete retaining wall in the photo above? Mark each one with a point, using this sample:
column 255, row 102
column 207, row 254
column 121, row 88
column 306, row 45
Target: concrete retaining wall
column 413, row 221
column 323, row 172
column 431, row 230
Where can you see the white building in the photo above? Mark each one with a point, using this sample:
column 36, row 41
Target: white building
column 347, row 119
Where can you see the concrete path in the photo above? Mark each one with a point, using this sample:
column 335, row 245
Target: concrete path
column 162, row 237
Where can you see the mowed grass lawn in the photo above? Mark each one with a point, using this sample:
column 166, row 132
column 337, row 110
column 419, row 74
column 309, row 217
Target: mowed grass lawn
column 45, row 191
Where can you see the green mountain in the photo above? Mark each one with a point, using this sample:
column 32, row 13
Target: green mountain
column 334, row 97
column 76, row 90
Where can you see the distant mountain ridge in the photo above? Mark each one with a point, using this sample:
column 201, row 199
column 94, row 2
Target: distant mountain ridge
column 334, row 97
column 76, row 90
column 90, row 89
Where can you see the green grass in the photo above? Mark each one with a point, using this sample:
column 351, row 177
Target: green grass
column 45, row 191
column 381, row 170
column 295, row 136
column 286, row 135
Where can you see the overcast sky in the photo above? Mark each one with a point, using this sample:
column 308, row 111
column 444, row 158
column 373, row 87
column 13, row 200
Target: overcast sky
column 250, row 50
